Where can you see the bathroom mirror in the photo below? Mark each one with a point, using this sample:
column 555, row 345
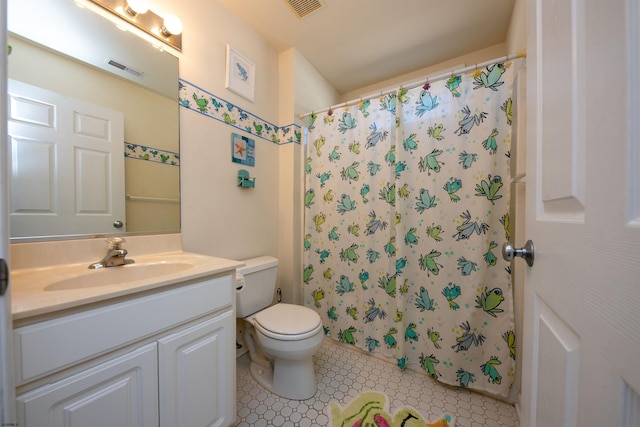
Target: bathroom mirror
column 74, row 52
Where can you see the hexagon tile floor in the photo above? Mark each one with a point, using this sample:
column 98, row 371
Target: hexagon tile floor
column 343, row 373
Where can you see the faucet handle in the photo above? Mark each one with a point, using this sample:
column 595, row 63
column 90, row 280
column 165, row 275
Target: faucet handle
column 115, row 243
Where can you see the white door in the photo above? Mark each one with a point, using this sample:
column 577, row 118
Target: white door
column 67, row 164
column 581, row 340
column 7, row 387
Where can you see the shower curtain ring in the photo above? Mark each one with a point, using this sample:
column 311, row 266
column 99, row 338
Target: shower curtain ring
column 475, row 71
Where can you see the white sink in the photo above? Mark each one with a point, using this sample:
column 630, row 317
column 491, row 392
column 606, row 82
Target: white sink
column 109, row 276
column 45, row 290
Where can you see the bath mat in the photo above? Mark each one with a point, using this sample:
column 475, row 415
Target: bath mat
column 371, row 409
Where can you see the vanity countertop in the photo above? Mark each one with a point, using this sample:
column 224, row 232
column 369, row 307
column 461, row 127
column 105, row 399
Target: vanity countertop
column 46, row 290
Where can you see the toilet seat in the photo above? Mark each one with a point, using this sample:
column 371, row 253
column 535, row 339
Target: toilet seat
column 287, row 322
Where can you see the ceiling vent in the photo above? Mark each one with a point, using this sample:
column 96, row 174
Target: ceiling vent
column 123, row 67
column 304, row 8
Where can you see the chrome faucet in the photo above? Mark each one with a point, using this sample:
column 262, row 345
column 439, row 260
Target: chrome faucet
column 115, row 255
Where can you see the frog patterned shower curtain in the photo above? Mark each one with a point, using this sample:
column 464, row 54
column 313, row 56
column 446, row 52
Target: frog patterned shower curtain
column 406, row 208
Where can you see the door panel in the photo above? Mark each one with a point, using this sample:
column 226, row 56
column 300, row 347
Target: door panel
column 558, row 381
column 32, row 112
column 94, row 127
column 634, row 113
column 67, row 164
column 92, row 182
column 581, row 339
column 33, row 185
column 562, row 162
column 7, row 384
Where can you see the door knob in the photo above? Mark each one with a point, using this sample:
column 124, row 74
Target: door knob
column 526, row 252
column 4, row 276
column 118, row 224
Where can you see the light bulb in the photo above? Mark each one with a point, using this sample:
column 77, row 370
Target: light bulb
column 135, row 7
column 172, row 25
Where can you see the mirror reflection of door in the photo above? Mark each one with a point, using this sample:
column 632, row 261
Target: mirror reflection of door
column 67, row 164
column 70, row 50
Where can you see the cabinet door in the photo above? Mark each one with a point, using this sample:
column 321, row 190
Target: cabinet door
column 120, row 392
column 197, row 374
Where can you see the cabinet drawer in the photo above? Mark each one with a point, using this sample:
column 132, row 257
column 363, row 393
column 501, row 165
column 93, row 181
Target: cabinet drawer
column 46, row 347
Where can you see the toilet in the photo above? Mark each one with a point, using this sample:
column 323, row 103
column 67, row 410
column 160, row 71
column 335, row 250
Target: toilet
column 281, row 338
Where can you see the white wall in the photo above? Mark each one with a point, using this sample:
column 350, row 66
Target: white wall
column 288, row 221
column 517, row 34
column 301, row 87
column 312, row 91
column 219, row 218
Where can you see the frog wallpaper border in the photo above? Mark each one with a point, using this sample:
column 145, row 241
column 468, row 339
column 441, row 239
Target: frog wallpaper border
column 203, row 102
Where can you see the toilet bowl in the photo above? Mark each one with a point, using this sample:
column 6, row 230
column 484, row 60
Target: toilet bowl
column 288, row 336
column 282, row 338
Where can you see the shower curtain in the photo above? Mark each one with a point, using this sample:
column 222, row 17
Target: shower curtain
column 406, row 209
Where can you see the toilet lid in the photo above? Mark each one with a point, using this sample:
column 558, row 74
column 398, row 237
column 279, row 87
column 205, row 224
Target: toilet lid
column 288, row 319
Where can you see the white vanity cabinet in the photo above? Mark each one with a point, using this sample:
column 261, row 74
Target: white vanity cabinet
column 164, row 358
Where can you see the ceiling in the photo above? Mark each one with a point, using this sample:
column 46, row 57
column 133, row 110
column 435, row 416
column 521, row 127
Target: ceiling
column 355, row 43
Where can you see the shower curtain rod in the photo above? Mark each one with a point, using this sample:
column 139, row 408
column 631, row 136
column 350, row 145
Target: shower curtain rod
column 420, row 82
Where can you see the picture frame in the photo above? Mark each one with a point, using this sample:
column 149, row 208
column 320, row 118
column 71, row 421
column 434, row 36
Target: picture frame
column 243, row 150
column 240, row 74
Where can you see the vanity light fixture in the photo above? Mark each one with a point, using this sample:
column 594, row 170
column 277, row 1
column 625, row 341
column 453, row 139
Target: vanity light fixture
column 137, row 13
column 135, row 7
column 171, row 26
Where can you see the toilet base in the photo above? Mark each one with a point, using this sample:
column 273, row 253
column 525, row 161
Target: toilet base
column 293, row 379
column 262, row 374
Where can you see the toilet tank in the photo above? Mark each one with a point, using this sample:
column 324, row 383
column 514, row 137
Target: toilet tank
column 255, row 285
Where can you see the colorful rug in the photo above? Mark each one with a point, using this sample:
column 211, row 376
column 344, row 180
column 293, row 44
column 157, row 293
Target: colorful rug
column 371, row 409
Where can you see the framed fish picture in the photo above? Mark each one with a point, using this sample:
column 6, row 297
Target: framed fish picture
column 241, row 74
column 243, row 150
